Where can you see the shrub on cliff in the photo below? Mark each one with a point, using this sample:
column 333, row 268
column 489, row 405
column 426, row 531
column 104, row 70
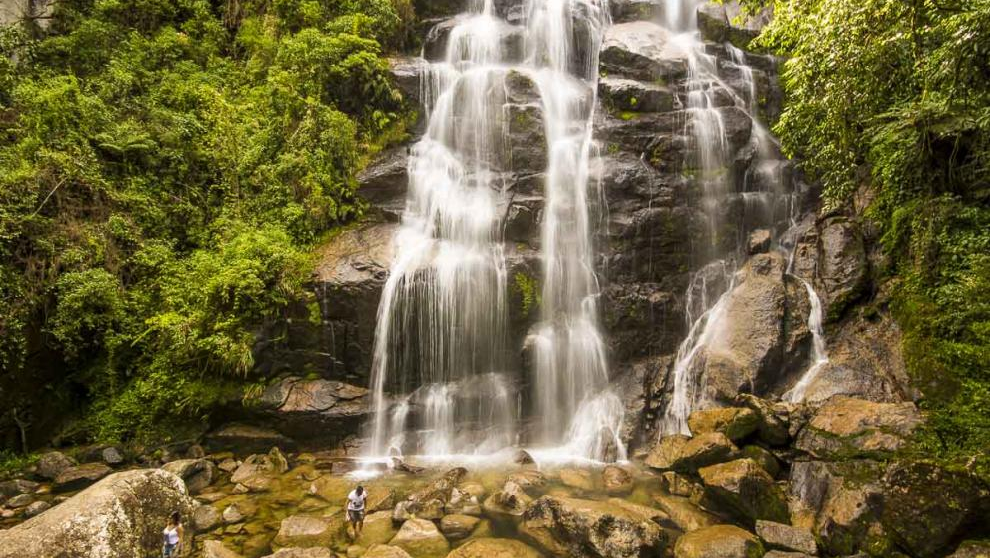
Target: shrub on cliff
column 164, row 166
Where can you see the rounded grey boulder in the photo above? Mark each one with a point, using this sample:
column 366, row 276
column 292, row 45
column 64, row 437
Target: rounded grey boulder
column 119, row 517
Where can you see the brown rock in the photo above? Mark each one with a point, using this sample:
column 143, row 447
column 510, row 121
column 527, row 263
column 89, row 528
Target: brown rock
column 80, row 476
column 511, row 500
column 196, row 473
column 216, row 549
column 458, row 526
column 745, row 490
column 120, row 516
column 313, row 552
column 306, row 531
column 52, row 463
column 679, row 485
column 735, row 422
column 385, row 551
column 718, row 541
column 666, row 452
column 684, row 513
column 494, row 548
column 421, row 539
column 784, row 537
column 845, row 427
column 205, row 518
column 577, row 478
column 616, row 480
column 573, row 527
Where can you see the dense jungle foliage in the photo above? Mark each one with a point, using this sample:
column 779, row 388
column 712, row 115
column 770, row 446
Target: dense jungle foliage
column 164, row 165
column 891, row 99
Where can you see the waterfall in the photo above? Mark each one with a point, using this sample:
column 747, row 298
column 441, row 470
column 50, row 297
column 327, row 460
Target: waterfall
column 441, row 345
column 764, row 186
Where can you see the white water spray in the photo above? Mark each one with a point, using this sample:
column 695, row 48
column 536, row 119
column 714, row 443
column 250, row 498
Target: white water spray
column 441, row 334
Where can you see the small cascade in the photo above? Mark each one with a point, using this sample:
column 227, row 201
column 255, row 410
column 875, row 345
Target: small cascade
column 819, row 350
column 764, row 192
column 819, row 354
column 441, row 342
column 702, row 331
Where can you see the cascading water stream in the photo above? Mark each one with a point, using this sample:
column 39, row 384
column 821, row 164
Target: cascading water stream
column 441, row 339
column 712, row 159
column 819, row 354
column 819, row 351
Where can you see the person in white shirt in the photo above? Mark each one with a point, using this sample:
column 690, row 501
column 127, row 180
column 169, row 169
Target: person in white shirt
column 355, row 509
column 172, row 535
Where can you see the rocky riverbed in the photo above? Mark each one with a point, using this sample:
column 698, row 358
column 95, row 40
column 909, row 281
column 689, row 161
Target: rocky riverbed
column 756, row 479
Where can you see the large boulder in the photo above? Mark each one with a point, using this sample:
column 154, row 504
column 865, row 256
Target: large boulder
column 52, row 463
column 926, row 507
column 429, row 501
column 718, row 541
column 845, row 427
column 258, row 472
column 580, row 528
column 378, row 529
column 735, row 422
column 458, row 526
column 679, row 453
column 842, row 268
column 80, row 476
column 196, row 473
column 205, row 518
column 421, row 539
column 972, row 549
column 744, row 490
column 512, row 500
column 773, row 426
column 617, row 480
column 763, row 340
column 306, row 531
column 494, row 548
column 120, row 516
column 838, row 501
column 643, row 51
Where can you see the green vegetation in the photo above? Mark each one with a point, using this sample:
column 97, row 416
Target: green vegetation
column 529, row 292
column 164, row 167
column 891, row 98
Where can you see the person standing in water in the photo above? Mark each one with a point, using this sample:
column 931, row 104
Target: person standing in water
column 172, row 535
column 355, row 509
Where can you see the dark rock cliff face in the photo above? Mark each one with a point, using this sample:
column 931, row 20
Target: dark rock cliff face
column 654, row 237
